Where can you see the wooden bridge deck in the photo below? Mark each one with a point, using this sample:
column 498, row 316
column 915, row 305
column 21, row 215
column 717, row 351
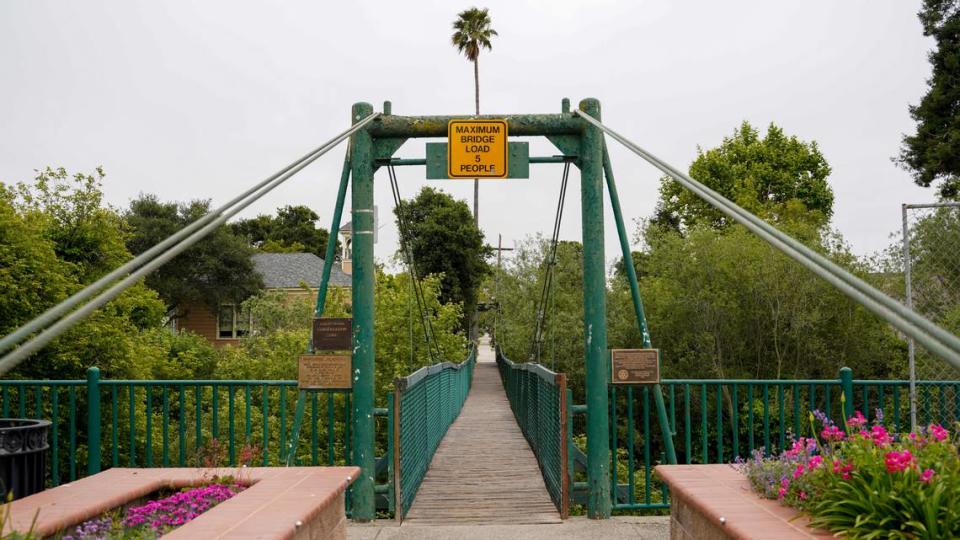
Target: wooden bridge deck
column 484, row 471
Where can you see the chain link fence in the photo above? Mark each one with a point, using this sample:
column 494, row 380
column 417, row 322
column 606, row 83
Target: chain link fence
column 931, row 271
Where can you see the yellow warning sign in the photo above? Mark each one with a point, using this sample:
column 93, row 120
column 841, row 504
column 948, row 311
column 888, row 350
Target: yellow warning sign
column 477, row 149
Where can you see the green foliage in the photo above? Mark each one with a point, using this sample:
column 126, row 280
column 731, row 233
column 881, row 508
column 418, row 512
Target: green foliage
column 444, row 240
column 293, row 230
column 933, row 153
column 401, row 347
column 518, row 287
column 778, row 178
column 56, row 238
column 723, row 303
column 179, row 355
column 32, row 277
column 216, row 269
column 282, row 331
column 85, row 234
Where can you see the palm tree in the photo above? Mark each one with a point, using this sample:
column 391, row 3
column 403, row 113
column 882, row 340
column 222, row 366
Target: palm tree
column 473, row 32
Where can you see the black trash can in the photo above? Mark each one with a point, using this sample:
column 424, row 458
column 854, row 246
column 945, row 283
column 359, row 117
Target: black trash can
column 23, row 456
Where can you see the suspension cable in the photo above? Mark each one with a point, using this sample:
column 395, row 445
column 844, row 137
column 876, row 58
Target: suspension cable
column 151, row 260
column 550, row 263
column 936, row 339
column 428, row 333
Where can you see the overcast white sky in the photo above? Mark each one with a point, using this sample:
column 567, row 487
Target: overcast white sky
column 202, row 99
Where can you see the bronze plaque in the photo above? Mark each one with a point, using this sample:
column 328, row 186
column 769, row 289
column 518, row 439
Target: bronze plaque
column 333, row 334
column 635, row 366
column 324, row 372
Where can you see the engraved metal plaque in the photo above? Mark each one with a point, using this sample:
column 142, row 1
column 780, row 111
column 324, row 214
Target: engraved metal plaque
column 333, row 334
column 324, row 372
column 635, row 366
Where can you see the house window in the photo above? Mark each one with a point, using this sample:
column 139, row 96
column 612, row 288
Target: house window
column 231, row 324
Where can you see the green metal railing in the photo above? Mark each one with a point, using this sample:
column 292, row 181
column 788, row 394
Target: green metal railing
column 425, row 403
column 720, row 420
column 98, row 424
column 538, row 398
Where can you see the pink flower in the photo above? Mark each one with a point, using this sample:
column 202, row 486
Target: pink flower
column 803, row 495
column 815, row 462
column 832, row 433
column 898, row 461
column 781, row 493
column 841, row 469
column 938, row 432
column 857, row 420
column 926, row 475
column 798, row 472
column 880, row 436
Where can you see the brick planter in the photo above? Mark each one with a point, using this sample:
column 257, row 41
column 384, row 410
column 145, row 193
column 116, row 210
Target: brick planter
column 281, row 502
column 710, row 502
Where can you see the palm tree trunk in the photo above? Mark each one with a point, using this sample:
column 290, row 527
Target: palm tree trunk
column 476, row 83
column 476, row 182
column 476, row 188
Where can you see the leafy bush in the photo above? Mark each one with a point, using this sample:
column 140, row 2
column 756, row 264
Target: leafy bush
column 862, row 481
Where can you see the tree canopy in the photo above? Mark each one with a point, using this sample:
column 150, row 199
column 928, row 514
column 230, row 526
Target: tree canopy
column 216, row 269
column 777, row 177
column 472, row 32
column 56, row 236
column 443, row 239
column 294, row 229
column 932, row 154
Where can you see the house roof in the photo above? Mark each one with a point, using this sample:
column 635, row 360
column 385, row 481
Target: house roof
column 290, row 270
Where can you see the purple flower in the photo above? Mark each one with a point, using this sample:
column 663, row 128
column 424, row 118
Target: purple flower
column 822, row 418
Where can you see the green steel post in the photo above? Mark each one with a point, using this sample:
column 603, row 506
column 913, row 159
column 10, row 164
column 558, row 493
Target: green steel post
column 361, row 160
column 637, row 301
column 569, row 441
column 846, row 386
column 595, row 315
column 391, row 484
column 93, row 421
column 332, row 241
column 290, row 452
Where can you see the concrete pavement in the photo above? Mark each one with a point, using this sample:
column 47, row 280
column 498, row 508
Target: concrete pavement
column 617, row 528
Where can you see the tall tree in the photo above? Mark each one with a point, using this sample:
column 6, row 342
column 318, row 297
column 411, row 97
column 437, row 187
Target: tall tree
column 933, row 153
column 293, row 229
column 216, row 269
column 776, row 177
column 56, row 236
column 472, row 33
column 443, row 240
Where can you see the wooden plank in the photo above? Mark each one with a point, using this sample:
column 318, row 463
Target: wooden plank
column 484, row 471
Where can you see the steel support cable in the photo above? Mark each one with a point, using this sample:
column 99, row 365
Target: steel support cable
column 219, row 217
column 549, row 264
column 411, row 264
column 936, row 339
column 397, row 202
column 47, row 317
